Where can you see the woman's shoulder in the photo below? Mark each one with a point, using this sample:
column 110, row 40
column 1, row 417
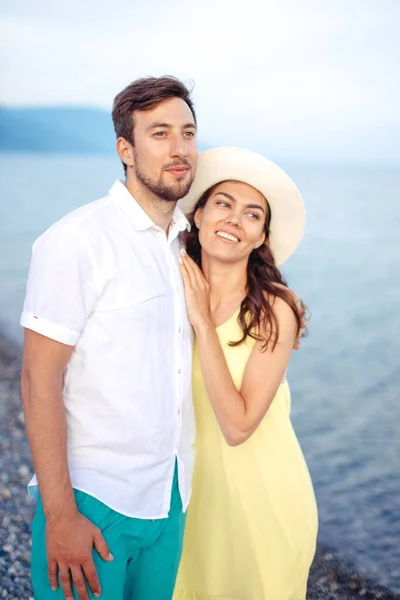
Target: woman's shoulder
column 282, row 306
column 292, row 293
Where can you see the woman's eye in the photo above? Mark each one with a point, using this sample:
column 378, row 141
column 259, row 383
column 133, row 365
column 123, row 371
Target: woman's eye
column 253, row 216
column 222, row 204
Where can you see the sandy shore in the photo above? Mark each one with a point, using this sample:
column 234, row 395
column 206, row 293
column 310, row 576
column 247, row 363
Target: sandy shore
column 330, row 578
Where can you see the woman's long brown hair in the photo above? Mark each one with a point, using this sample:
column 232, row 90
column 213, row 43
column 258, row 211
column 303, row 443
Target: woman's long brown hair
column 264, row 283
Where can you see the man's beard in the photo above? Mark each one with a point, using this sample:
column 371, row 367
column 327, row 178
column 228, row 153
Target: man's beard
column 170, row 193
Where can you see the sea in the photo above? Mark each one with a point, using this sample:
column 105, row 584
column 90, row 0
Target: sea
column 345, row 379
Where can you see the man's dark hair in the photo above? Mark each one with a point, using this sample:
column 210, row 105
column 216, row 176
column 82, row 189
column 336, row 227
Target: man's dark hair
column 145, row 94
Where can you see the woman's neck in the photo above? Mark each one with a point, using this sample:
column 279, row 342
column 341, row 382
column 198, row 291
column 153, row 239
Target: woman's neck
column 227, row 282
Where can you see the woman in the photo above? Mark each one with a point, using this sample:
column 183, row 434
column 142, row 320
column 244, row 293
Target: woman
column 252, row 522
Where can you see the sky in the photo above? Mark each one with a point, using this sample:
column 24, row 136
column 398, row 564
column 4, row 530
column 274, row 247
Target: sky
column 303, row 79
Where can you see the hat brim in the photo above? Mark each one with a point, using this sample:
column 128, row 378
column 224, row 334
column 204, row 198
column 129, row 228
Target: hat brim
column 288, row 215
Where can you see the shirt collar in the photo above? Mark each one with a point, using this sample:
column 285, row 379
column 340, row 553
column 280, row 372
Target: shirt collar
column 179, row 220
column 127, row 203
column 139, row 218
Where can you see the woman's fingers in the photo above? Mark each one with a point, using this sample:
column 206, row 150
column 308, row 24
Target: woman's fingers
column 187, row 269
column 196, row 292
column 185, row 275
column 195, row 273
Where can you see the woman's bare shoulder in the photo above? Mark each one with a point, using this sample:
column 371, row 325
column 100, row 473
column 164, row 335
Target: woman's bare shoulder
column 284, row 287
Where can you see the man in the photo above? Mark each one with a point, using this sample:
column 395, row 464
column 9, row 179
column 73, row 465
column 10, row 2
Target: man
column 107, row 368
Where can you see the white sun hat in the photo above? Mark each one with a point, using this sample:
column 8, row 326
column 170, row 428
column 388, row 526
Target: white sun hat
column 288, row 214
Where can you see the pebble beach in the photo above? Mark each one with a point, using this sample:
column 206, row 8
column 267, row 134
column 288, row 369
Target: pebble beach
column 331, row 578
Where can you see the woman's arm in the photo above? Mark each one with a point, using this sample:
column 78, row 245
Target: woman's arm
column 238, row 413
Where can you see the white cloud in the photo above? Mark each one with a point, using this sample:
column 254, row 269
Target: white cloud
column 281, row 73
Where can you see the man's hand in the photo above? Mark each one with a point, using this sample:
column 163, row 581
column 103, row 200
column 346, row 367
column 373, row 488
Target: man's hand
column 303, row 321
column 69, row 541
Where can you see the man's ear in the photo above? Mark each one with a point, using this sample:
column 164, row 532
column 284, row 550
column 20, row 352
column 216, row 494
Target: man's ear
column 125, row 151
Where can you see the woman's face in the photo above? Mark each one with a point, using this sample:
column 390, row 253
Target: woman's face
column 232, row 222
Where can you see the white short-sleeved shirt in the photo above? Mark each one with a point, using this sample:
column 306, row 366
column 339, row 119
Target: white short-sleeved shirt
column 106, row 280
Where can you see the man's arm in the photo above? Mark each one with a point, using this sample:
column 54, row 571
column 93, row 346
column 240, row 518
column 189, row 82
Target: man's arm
column 44, row 363
column 70, row 537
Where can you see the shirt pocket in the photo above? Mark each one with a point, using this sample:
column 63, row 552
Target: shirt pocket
column 130, row 287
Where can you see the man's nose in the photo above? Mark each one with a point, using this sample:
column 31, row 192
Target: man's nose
column 178, row 147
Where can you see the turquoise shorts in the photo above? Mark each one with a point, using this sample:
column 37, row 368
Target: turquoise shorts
column 146, row 553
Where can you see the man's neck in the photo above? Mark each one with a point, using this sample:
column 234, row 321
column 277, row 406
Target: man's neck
column 160, row 211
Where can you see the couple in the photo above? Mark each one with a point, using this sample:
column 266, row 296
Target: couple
column 112, row 302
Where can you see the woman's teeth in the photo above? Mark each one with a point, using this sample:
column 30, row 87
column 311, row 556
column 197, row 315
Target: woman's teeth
column 227, row 236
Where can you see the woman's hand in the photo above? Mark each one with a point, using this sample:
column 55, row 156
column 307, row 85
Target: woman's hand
column 197, row 292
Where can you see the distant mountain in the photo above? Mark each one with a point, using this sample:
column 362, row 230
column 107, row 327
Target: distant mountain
column 64, row 130
column 78, row 130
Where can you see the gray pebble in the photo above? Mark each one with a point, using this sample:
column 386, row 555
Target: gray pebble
column 24, row 471
column 329, row 578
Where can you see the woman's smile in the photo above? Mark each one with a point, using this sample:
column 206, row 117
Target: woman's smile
column 227, row 237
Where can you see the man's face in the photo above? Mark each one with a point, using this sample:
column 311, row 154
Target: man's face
column 165, row 149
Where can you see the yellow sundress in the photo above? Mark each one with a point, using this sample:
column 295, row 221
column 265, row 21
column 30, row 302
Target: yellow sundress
column 252, row 520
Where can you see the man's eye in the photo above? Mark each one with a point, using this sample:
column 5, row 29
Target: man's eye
column 190, row 134
column 160, row 133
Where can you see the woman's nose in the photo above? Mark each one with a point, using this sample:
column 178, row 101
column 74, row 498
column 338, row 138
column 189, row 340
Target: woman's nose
column 234, row 219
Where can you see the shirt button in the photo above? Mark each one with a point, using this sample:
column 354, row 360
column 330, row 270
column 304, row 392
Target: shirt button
column 180, row 329
column 179, row 371
column 179, row 411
